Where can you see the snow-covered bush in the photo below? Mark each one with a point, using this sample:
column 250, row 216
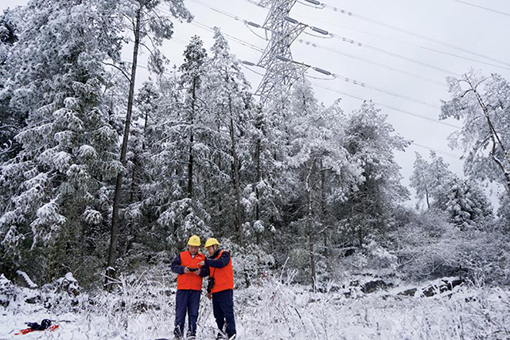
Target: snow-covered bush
column 379, row 257
column 430, row 247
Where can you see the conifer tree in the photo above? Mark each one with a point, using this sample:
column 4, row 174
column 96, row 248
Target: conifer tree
column 371, row 144
column 58, row 182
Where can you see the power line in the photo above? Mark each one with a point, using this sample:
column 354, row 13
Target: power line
column 446, row 153
column 407, row 43
column 484, row 8
column 203, row 26
column 402, row 30
column 309, row 43
column 398, row 40
column 235, row 39
column 388, row 107
column 358, row 83
column 328, row 34
column 247, row 64
column 337, row 76
column 380, row 50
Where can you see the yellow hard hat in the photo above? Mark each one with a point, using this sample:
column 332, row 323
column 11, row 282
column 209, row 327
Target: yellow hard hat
column 211, row 242
column 194, row 241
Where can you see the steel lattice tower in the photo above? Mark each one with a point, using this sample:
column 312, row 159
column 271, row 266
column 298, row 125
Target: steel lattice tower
column 277, row 57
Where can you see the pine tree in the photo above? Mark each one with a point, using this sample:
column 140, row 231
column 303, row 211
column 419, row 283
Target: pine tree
column 318, row 166
column 58, row 181
column 10, row 120
column 146, row 24
column 371, row 144
column 230, row 101
column 178, row 138
column 466, row 204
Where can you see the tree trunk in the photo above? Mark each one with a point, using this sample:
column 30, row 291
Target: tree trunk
column 237, row 188
column 427, row 198
column 114, row 232
column 309, row 227
column 311, row 239
column 257, row 179
column 191, row 139
column 496, row 140
column 323, row 208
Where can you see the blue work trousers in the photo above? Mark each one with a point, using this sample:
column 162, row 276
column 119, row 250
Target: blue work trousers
column 186, row 301
column 223, row 309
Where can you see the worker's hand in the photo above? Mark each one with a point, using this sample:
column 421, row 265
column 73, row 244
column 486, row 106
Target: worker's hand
column 186, row 270
column 201, row 263
column 209, row 295
column 197, row 272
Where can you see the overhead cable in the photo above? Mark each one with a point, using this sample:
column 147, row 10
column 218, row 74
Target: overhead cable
column 248, row 66
column 380, row 50
column 337, row 76
column 388, row 107
column 325, row 33
column 408, row 43
column 309, row 43
column 484, row 8
column 402, row 30
column 445, row 153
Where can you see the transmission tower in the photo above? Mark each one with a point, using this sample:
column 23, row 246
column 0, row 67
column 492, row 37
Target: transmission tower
column 277, row 57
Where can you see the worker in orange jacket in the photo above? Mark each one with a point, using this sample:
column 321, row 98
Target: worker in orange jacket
column 188, row 266
column 221, row 287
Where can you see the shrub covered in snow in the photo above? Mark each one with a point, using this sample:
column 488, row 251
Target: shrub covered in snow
column 430, row 247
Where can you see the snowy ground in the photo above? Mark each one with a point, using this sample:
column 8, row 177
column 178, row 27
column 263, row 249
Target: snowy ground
column 273, row 310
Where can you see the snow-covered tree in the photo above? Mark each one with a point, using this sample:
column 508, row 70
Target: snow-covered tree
column 147, row 25
column 483, row 104
column 419, row 179
column 10, row 120
column 262, row 198
column 371, row 144
column 319, row 168
column 504, row 211
column 58, row 181
column 430, row 180
column 466, row 203
column 230, row 103
column 180, row 154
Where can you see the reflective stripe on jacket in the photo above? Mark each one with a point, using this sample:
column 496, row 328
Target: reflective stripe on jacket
column 190, row 280
column 223, row 277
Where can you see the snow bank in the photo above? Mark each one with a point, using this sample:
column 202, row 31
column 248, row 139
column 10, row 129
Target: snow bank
column 270, row 309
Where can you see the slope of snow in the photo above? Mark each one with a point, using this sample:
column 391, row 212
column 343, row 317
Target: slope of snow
column 270, row 310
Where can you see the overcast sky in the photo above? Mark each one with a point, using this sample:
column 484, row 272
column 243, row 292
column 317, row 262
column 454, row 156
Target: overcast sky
column 450, row 21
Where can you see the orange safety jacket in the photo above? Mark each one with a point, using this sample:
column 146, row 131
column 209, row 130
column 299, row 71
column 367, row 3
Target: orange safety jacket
column 190, row 281
column 223, row 277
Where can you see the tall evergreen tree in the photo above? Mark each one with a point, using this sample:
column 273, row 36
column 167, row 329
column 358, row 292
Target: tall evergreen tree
column 57, row 181
column 368, row 210
column 146, row 24
column 178, row 137
column 230, row 101
column 10, row 120
column 319, row 167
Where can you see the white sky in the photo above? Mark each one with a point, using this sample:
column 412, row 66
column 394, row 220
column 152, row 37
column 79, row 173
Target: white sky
column 450, row 21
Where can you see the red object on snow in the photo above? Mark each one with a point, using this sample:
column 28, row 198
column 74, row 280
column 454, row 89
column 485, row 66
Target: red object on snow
column 30, row 330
